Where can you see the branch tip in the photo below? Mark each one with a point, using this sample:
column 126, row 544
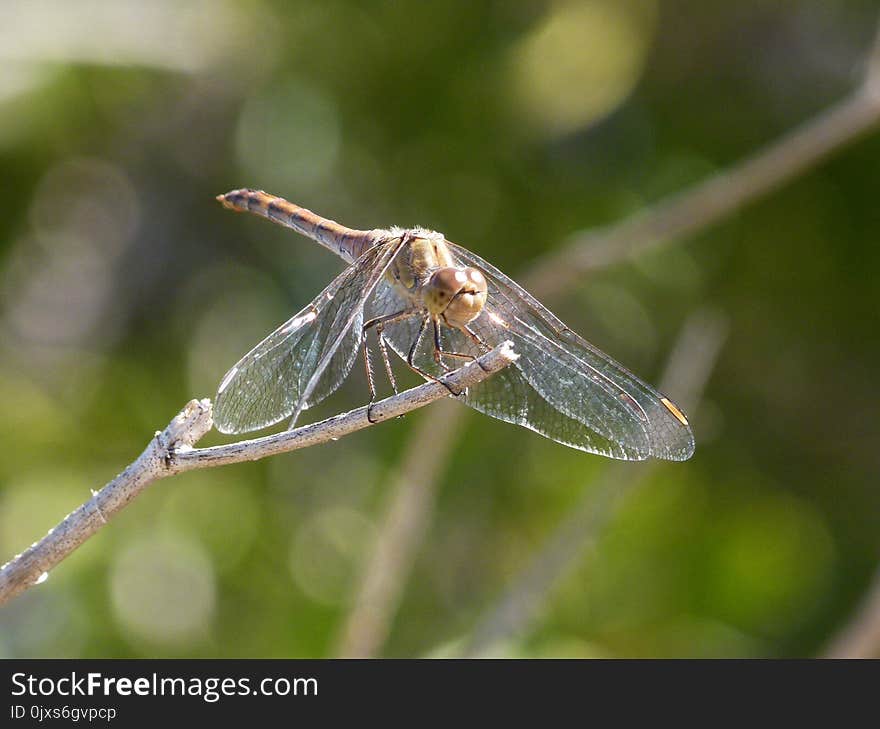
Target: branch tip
column 190, row 425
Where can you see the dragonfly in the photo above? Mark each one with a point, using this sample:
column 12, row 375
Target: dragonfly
column 436, row 305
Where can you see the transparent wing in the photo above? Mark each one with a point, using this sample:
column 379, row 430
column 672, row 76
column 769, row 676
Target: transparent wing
column 307, row 357
column 576, row 379
column 384, row 301
column 507, row 395
column 562, row 387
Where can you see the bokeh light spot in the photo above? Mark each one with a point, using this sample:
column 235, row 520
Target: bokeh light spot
column 772, row 559
column 33, row 504
column 221, row 510
column 163, row 590
column 580, row 62
column 288, row 137
column 326, row 552
column 624, row 318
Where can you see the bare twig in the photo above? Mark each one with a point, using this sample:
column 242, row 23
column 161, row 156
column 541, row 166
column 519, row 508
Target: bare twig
column 171, row 452
column 31, row 566
column 694, row 209
column 687, row 371
column 871, row 83
column 860, row 638
column 339, row 425
column 411, row 497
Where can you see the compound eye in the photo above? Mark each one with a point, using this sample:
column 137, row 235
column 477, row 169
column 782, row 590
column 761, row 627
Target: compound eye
column 476, row 280
column 469, row 300
column 442, row 288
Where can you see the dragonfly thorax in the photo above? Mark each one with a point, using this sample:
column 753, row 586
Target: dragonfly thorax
column 424, row 272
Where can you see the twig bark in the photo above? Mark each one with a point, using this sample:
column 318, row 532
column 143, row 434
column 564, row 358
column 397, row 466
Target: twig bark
column 170, row 452
column 689, row 367
column 693, row 210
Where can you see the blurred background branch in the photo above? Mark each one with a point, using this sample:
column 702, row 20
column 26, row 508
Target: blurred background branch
column 405, row 523
column 721, row 195
column 683, row 214
column 860, row 638
column 688, row 370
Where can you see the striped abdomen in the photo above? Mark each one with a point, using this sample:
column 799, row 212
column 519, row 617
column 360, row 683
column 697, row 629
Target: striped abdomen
column 345, row 242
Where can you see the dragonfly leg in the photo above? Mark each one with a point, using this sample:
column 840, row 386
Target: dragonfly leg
column 476, row 338
column 439, row 352
column 479, row 342
column 418, row 339
column 383, row 350
column 391, row 318
column 412, row 352
column 438, row 347
column 380, row 322
column 368, row 367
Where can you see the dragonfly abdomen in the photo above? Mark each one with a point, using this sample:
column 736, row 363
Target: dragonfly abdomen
column 347, row 243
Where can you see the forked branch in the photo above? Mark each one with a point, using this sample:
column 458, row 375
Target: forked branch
column 171, row 452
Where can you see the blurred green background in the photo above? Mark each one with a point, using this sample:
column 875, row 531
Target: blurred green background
column 127, row 290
